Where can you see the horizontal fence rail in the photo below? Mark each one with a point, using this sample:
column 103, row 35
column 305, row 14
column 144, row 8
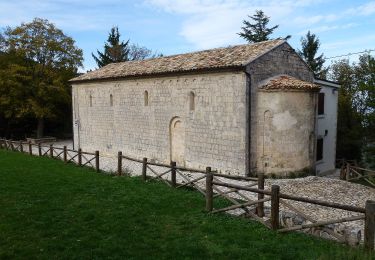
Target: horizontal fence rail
column 63, row 153
column 262, row 204
column 350, row 171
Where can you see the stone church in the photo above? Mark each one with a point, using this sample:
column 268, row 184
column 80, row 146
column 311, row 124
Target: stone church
column 241, row 110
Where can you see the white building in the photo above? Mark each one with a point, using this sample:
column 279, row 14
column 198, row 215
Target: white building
column 326, row 126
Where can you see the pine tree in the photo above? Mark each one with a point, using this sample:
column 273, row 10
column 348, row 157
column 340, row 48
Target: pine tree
column 258, row 31
column 310, row 45
column 114, row 50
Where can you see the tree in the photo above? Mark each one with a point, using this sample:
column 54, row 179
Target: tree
column 356, row 109
column 119, row 51
column 114, row 50
column 46, row 60
column 365, row 78
column 13, row 78
column 257, row 31
column 310, row 45
column 137, row 52
column 349, row 120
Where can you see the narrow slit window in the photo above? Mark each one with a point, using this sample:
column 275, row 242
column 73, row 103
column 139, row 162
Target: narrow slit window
column 146, row 98
column 192, row 101
column 319, row 149
column 90, row 101
column 321, row 104
column 111, row 100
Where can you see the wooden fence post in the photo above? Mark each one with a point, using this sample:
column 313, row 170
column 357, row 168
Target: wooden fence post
column 30, row 148
column 209, row 190
column 97, row 161
column 144, row 169
column 275, row 190
column 347, row 176
column 65, row 154
column 342, row 172
column 260, row 206
column 51, row 150
column 39, row 149
column 370, row 225
column 79, row 157
column 21, row 147
column 119, row 163
column 173, row 173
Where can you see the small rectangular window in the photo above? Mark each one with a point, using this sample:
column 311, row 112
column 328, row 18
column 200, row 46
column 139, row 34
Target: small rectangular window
column 321, row 104
column 146, row 98
column 319, row 149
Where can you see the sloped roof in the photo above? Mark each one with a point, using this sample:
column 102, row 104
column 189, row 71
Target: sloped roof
column 285, row 82
column 220, row 58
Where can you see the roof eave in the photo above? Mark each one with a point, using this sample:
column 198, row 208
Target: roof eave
column 161, row 74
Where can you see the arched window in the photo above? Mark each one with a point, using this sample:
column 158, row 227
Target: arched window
column 111, row 100
column 146, row 98
column 90, row 101
column 192, row 101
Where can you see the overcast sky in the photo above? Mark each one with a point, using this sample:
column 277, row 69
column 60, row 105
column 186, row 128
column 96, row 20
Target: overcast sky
column 173, row 26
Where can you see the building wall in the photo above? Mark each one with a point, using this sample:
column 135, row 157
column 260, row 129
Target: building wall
column 285, row 131
column 327, row 129
column 281, row 60
column 214, row 133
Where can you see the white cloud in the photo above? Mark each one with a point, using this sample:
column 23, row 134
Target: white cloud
column 211, row 23
column 364, row 10
column 326, row 28
column 311, row 20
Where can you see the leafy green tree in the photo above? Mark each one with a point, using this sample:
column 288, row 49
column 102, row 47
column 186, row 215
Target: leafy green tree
column 349, row 120
column 365, row 78
column 356, row 109
column 310, row 46
column 45, row 59
column 256, row 30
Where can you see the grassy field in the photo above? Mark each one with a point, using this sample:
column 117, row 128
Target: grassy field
column 51, row 210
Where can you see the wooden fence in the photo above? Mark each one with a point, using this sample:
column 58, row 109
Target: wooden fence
column 352, row 172
column 67, row 155
column 277, row 198
column 215, row 185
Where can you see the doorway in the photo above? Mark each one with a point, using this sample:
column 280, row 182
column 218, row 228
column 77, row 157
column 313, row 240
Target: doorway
column 177, row 141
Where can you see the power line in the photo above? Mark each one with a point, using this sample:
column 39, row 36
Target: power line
column 349, row 54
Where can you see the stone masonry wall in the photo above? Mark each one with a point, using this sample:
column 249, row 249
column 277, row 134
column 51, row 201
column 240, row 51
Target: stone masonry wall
column 281, row 60
column 214, row 131
column 285, row 123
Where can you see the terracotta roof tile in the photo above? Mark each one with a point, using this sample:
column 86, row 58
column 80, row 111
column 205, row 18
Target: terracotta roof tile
column 220, row 58
column 285, row 82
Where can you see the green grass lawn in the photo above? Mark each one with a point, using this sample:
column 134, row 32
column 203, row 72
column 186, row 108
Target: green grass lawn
column 49, row 210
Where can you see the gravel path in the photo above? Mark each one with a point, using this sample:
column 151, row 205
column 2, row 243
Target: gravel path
column 322, row 188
